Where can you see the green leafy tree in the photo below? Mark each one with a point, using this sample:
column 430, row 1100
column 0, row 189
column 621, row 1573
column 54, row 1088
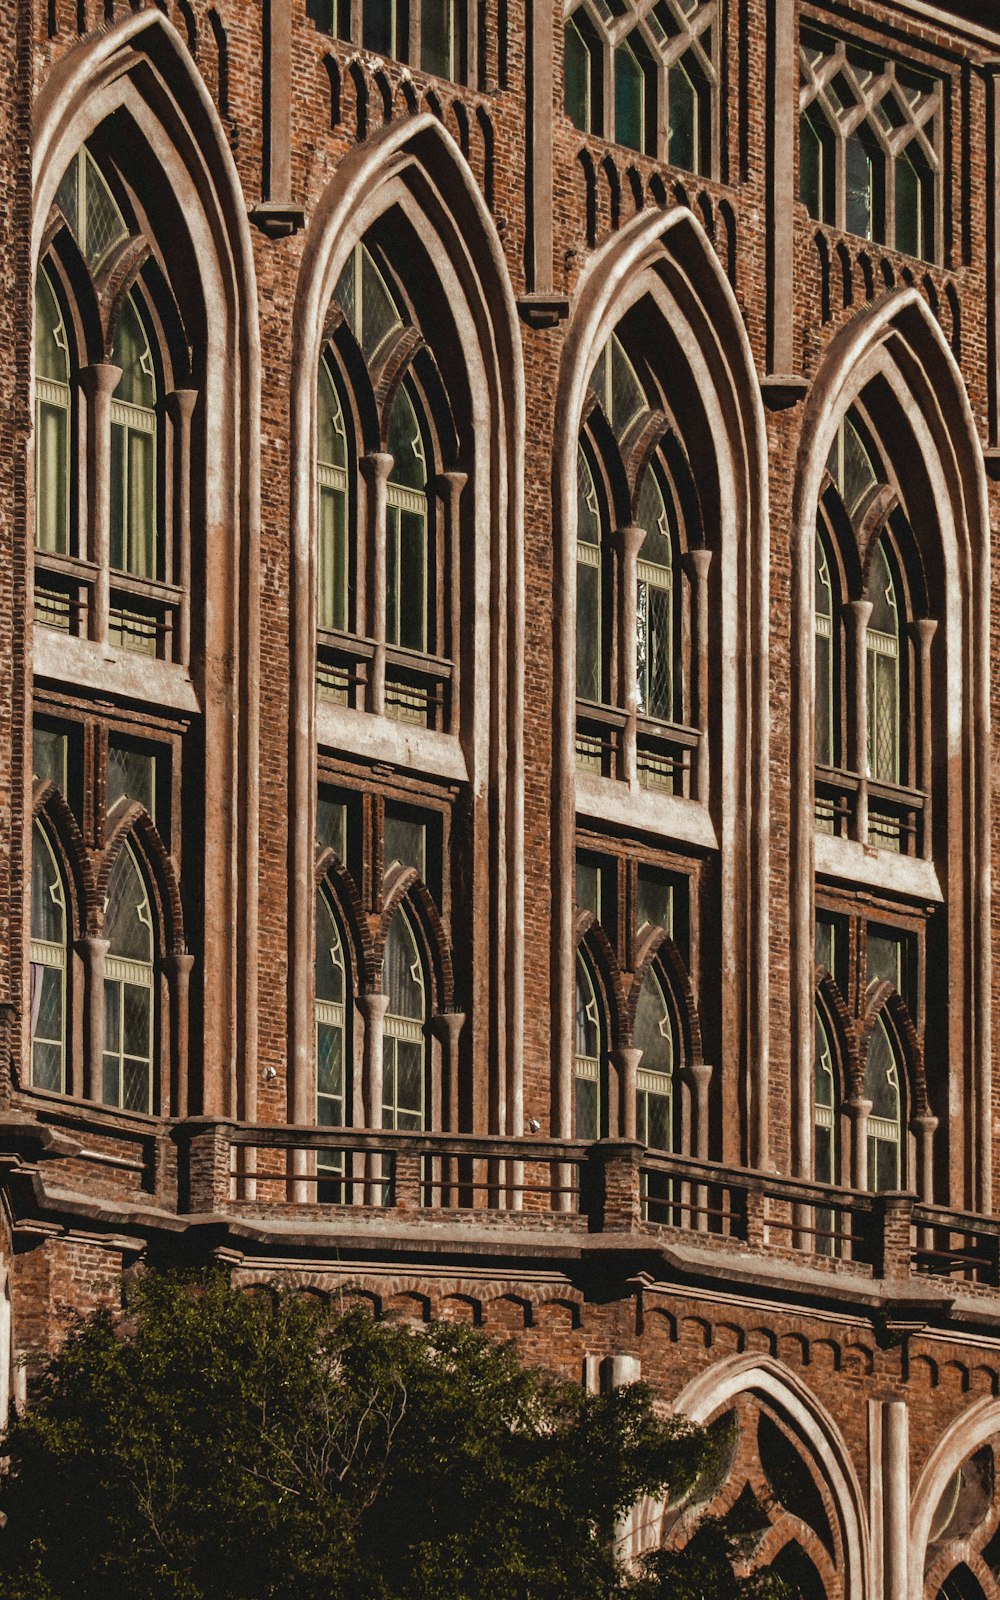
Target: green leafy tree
column 218, row 1445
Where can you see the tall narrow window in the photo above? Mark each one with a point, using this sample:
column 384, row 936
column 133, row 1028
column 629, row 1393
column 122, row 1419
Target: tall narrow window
column 133, row 450
column 654, row 1078
column 824, row 1106
column 48, row 967
column 128, row 989
column 330, row 1019
column 332, row 490
column 885, row 1134
column 90, row 209
column 442, row 38
column 589, row 653
column 406, row 529
column 817, row 166
column 690, row 98
column 883, row 671
column 635, row 95
column 865, row 170
column 654, row 605
column 825, row 710
column 582, row 67
column 52, row 421
column 914, row 203
column 587, row 1058
column 385, row 27
column 404, row 1046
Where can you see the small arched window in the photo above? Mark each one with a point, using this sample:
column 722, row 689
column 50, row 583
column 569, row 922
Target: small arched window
column 407, row 577
column 885, row 1129
column 332, row 493
column 53, row 412
column 404, row 1045
column 128, row 989
column 589, row 1119
column 884, row 654
column 331, row 1055
column 48, row 967
column 655, row 1073
column 134, row 520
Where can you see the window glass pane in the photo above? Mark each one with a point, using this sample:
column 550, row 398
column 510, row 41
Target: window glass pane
column 653, row 1033
column 331, row 434
column 141, row 555
column 330, row 977
column 655, row 902
column 406, row 445
column 578, row 71
column 132, row 775
column 403, row 975
column 683, row 134
column 588, row 509
column 331, row 826
column 51, row 348
column 52, row 477
column 439, row 37
column 132, row 353
column 413, row 580
column 90, row 209
column 908, row 197
column 810, row 167
column 366, row 301
column 823, row 1081
column 49, row 757
column 656, row 1120
column 48, row 917
column 136, row 1016
column 587, row 1024
column 588, row 887
column 881, row 1075
column 329, row 1073
column 119, row 496
column 825, row 945
column 332, row 558
column 405, row 842
column 824, row 712
column 885, row 958
column 127, row 921
column 630, row 104
column 587, row 1126
column 883, row 672
column 379, row 26
column 865, row 200
column 588, row 632
column 322, row 13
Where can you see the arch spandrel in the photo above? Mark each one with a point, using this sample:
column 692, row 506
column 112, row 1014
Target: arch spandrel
column 140, row 70
column 668, row 258
column 416, row 167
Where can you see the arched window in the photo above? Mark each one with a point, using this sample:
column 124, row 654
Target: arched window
column 331, row 1053
column 134, row 518
column 884, row 653
column 635, row 95
column 655, row 1075
column 824, row 1108
column 885, row 1121
column 332, row 493
column 583, row 73
column 128, row 989
column 590, row 1118
column 53, row 413
column 407, row 577
column 589, row 641
column 655, row 604
column 405, row 1045
column 48, row 967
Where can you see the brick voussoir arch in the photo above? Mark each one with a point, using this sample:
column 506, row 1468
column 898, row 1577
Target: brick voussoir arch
column 660, row 951
column 415, row 166
column 50, row 808
column 897, row 342
column 667, row 256
column 332, row 876
column 140, row 69
column 591, row 937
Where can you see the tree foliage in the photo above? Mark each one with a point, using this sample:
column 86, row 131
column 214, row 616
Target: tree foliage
column 217, row 1445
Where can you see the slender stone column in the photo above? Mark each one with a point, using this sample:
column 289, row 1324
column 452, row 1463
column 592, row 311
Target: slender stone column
column 923, row 631
column 92, row 953
column 447, row 1027
column 178, row 970
column 99, row 383
column 924, row 1129
column 858, row 612
column 697, row 563
column 859, row 1111
column 181, row 404
column 452, row 484
column 626, row 1065
column 376, row 469
column 373, row 1008
column 627, row 544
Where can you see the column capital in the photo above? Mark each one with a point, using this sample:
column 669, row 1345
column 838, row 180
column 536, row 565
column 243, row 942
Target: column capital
column 100, row 378
column 376, row 466
column 447, row 1025
column 629, row 539
column 696, row 563
column 373, row 1006
column 181, row 402
column 922, row 631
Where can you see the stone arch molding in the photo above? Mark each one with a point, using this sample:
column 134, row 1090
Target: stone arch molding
column 416, row 166
column 142, row 67
column 717, row 1385
column 972, row 1429
column 898, row 342
column 668, row 256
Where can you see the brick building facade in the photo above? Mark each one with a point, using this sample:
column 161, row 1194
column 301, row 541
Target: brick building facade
column 496, row 618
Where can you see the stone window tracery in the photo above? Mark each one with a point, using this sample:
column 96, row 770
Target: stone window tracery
column 869, row 146
column 645, row 76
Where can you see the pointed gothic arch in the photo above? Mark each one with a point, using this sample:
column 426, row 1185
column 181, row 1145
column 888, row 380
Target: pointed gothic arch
column 669, row 259
column 140, row 72
column 416, row 167
column 894, row 353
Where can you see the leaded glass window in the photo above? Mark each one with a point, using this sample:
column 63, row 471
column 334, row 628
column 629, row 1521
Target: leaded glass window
column 865, row 167
column 53, row 410
column 635, row 95
column 582, row 67
column 332, row 492
column 850, row 465
column 654, row 1076
column 406, row 564
column 825, row 706
column 689, row 93
column 885, row 1134
column 587, row 1056
column 128, row 989
column 367, row 302
column 824, row 1107
column 817, row 166
column 654, row 604
column 883, row 671
column 48, row 967
column 90, row 209
column 404, row 1044
column 133, row 450
column 589, row 652
column 914, row 202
